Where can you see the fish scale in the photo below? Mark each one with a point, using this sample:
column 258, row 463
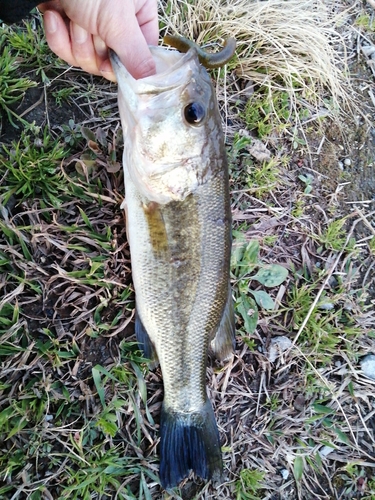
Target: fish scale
column 184, row 301
column 179, row 230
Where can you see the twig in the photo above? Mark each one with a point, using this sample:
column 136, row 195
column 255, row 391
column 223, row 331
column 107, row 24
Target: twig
column 365, row 221
column 33, row 106
column 321, row 145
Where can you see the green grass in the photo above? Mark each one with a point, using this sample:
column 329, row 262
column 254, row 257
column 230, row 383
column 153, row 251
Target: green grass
column 365, row 22
column 334, row 236
column 57, row 433
column 329, row 327
column 24, row 51
column 265, row 112
column 12, row 86
column 249, row 484
column 51, row 426
column 32, row 51
column 31, row 167
column 261, row 176
column 26, row 62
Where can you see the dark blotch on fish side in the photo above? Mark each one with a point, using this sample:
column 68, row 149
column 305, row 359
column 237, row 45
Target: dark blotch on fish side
column 209, row 60
column 158, row 233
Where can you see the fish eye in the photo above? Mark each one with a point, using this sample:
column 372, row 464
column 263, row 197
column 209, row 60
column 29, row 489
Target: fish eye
column 194, row 113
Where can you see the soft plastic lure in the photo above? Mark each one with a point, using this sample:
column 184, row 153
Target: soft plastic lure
column 209, row 60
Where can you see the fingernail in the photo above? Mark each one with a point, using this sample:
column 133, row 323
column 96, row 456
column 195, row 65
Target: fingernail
column 100, row 46
column 50, row 22
column 79, row 34
column 107, row 72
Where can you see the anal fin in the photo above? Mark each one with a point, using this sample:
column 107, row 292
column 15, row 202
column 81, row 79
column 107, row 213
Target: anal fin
column 223, row 343
column 144, row 341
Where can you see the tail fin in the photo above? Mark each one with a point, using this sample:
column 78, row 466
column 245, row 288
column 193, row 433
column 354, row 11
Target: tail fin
column 189, row 441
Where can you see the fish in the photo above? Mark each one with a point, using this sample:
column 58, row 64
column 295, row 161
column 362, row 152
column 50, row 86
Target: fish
column 178, row 222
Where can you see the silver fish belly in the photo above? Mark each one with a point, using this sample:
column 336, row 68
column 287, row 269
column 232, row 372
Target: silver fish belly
column 178, row 226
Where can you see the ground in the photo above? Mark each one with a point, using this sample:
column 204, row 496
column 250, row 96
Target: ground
column 79, row 407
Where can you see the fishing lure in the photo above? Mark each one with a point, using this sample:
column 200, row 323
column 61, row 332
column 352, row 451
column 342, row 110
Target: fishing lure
column 207, row 59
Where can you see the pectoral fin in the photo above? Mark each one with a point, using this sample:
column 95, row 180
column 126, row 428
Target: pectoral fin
column 223, row 343
column 144, row 341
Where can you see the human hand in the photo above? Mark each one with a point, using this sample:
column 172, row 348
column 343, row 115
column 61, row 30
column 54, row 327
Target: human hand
column 81, row 31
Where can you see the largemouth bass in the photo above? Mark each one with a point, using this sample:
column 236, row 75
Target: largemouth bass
column 179, row 231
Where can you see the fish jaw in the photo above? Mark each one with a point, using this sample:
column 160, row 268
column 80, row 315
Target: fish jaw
column 162, row 152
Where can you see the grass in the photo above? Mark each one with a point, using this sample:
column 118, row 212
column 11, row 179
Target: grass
column 249, row 483
column 286, row 54
column 31, row 166
column 12, row 87
column 24, row 51
column 79, row 407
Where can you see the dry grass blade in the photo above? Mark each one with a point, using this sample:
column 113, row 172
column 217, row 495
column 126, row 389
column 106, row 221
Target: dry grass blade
column 290, row 45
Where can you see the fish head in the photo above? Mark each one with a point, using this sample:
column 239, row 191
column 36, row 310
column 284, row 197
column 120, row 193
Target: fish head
column 171, row 125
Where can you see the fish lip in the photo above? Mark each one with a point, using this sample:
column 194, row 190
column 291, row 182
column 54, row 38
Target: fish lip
column 153, row 84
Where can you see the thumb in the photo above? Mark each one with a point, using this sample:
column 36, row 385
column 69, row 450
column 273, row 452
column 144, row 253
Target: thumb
column 132, row 49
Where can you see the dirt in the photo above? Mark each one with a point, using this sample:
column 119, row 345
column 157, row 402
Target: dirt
column 344, row 169
column 347, row 156
column 40, row 107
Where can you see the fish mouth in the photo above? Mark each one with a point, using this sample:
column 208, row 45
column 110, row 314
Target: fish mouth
column 169, row 74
